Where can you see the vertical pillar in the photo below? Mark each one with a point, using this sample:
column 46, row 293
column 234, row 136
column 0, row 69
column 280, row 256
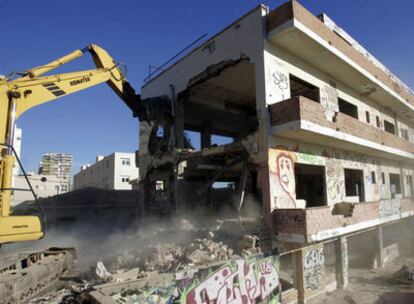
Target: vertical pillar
column 403, row 180
column 298, row 275
column 379, row 242
column 310, row 276
column 178, row 113
column 341, row 248
column 263, row 177
column 206, row 135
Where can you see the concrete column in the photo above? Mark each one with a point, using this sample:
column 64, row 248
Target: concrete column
column 379, row 242
column 341, row 248
column 298, row 275
column 206, row 135
column 178, row 113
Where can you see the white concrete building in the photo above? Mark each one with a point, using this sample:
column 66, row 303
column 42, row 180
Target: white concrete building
column 111, row 172
column 43, row 186
column 17, row 144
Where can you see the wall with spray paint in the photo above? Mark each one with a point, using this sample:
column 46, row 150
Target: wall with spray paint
column 241, row 281
column 285, row 153
column 313, row 263
column 279, row 64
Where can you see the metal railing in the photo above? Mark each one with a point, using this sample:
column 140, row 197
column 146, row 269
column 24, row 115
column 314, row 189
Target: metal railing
column 153, row 71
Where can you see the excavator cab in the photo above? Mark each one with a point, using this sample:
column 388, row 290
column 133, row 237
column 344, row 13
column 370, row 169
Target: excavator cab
column 30, row 89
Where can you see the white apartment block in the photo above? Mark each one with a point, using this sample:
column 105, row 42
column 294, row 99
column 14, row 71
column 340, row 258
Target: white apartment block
column 17, row 145
column 114, row 171
column 43, row 186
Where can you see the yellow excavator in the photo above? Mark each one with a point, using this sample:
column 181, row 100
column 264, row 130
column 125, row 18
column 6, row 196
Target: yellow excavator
column 22, row 91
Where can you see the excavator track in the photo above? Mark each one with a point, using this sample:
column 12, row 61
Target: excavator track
column 24, row 275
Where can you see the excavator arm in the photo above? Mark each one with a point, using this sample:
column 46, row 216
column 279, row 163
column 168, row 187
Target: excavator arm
column 32, row 89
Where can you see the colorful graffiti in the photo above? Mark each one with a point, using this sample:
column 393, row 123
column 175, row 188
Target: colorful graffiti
column 314, row 268
column 243, row 281
column 282, row 178
column 243, row 284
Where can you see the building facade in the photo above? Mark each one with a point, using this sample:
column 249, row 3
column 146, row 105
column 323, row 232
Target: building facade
column 322, row 136
column 43, row 186
column 58, row 165
column 114, row 172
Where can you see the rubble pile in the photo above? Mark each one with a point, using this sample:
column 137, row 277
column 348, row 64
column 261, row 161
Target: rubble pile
column 206, row 251
column 159, row 251
column 171, row 257
column 165, row 258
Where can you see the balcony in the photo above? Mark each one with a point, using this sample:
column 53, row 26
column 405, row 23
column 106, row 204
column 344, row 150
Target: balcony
column 303, row 119
column 296, row 30
column 317, row 224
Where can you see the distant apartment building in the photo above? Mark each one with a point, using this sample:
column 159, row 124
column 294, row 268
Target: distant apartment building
column 43, row 186
column 60, row 166
column 114, row 171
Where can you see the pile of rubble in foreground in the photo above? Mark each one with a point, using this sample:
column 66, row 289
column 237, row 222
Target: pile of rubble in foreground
column 158, row 257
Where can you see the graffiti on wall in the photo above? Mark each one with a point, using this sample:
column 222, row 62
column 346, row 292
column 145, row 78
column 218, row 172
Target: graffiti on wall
column 335, row 180
column 243, row 281
column 329, row 100
column 280, row 80
column 389, row 207
column 282, row 178
column 277, row 81
column 314, row 269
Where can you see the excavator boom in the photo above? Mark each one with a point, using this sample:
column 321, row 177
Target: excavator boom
column 31, row 89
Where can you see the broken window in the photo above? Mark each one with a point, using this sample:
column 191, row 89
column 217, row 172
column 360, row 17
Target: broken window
column 395, row 184
column 378, row 122
column 310, row 184
column 404, row 133
column 299, row 87
column 367, row 117
column 348, row 108
column 383, row 178
column 373, row 177
column 354, row 184
column 389, row 127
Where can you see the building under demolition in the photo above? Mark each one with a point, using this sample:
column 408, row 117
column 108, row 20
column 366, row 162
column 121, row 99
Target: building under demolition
column 322, row 138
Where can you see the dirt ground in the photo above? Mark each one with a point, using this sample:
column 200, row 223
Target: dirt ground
column 390, row 284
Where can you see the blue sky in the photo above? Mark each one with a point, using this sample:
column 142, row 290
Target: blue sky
column 140, row 33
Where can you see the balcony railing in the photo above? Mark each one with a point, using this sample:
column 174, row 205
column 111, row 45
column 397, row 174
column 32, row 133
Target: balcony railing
column 318, row 223
column 302, row 108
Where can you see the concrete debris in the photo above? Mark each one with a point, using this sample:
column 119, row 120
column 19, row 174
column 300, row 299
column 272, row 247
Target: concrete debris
column 101, row 271
column 205, row 251
column 166, row 257
column 195, row 248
